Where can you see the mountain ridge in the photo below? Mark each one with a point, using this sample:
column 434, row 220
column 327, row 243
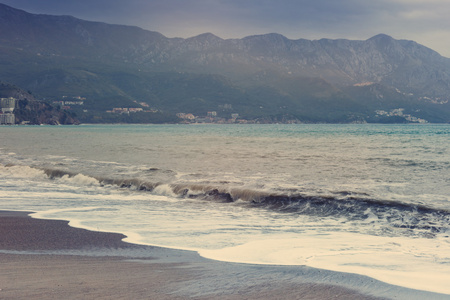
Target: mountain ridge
column 59, row 55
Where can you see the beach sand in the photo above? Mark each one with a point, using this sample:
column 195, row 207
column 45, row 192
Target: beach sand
column 48, row 259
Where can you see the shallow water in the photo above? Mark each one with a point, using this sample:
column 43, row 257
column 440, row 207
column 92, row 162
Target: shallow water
column 365, row 199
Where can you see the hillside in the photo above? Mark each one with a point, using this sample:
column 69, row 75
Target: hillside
column 263, row 77
column 33, row 111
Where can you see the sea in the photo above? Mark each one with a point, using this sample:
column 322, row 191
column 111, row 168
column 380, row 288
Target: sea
column 368, row 199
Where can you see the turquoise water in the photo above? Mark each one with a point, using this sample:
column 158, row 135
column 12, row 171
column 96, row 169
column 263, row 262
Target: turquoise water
column 365, row 199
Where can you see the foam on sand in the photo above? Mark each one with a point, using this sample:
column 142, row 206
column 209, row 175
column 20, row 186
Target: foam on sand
column 393, row 260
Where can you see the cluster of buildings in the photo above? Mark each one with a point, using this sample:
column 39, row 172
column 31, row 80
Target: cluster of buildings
column 399, row 112
column 127, row 110
column 67, row 104
column 124, row 110
column 7, row 114
column 211, row 117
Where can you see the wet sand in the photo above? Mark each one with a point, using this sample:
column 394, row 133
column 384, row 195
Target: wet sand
column 48, row 259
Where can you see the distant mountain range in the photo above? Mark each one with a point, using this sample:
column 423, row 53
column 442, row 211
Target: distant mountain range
column 267, row 78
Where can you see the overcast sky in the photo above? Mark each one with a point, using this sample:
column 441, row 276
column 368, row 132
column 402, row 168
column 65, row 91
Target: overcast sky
column 424, row 21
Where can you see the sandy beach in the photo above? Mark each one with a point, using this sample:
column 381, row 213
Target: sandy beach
column 48, row 259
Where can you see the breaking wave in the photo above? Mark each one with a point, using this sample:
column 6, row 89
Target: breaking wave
column 391, row 216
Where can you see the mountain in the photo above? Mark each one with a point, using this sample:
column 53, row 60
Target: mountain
column 263, row 77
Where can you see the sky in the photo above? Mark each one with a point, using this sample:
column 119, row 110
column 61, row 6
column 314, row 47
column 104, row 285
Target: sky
column 424, row 21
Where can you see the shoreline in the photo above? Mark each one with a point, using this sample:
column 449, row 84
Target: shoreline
column 49, row 259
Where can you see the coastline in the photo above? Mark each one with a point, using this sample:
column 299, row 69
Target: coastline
column 49, row 259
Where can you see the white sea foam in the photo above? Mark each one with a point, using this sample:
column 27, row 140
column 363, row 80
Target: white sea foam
column 164, row 190
column 17, row 171
column 414, row 263
column 79, row 179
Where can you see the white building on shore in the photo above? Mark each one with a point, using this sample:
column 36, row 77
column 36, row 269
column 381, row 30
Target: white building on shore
column 7, row 115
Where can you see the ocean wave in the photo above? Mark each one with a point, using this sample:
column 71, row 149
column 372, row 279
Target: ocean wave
column 392, row 216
